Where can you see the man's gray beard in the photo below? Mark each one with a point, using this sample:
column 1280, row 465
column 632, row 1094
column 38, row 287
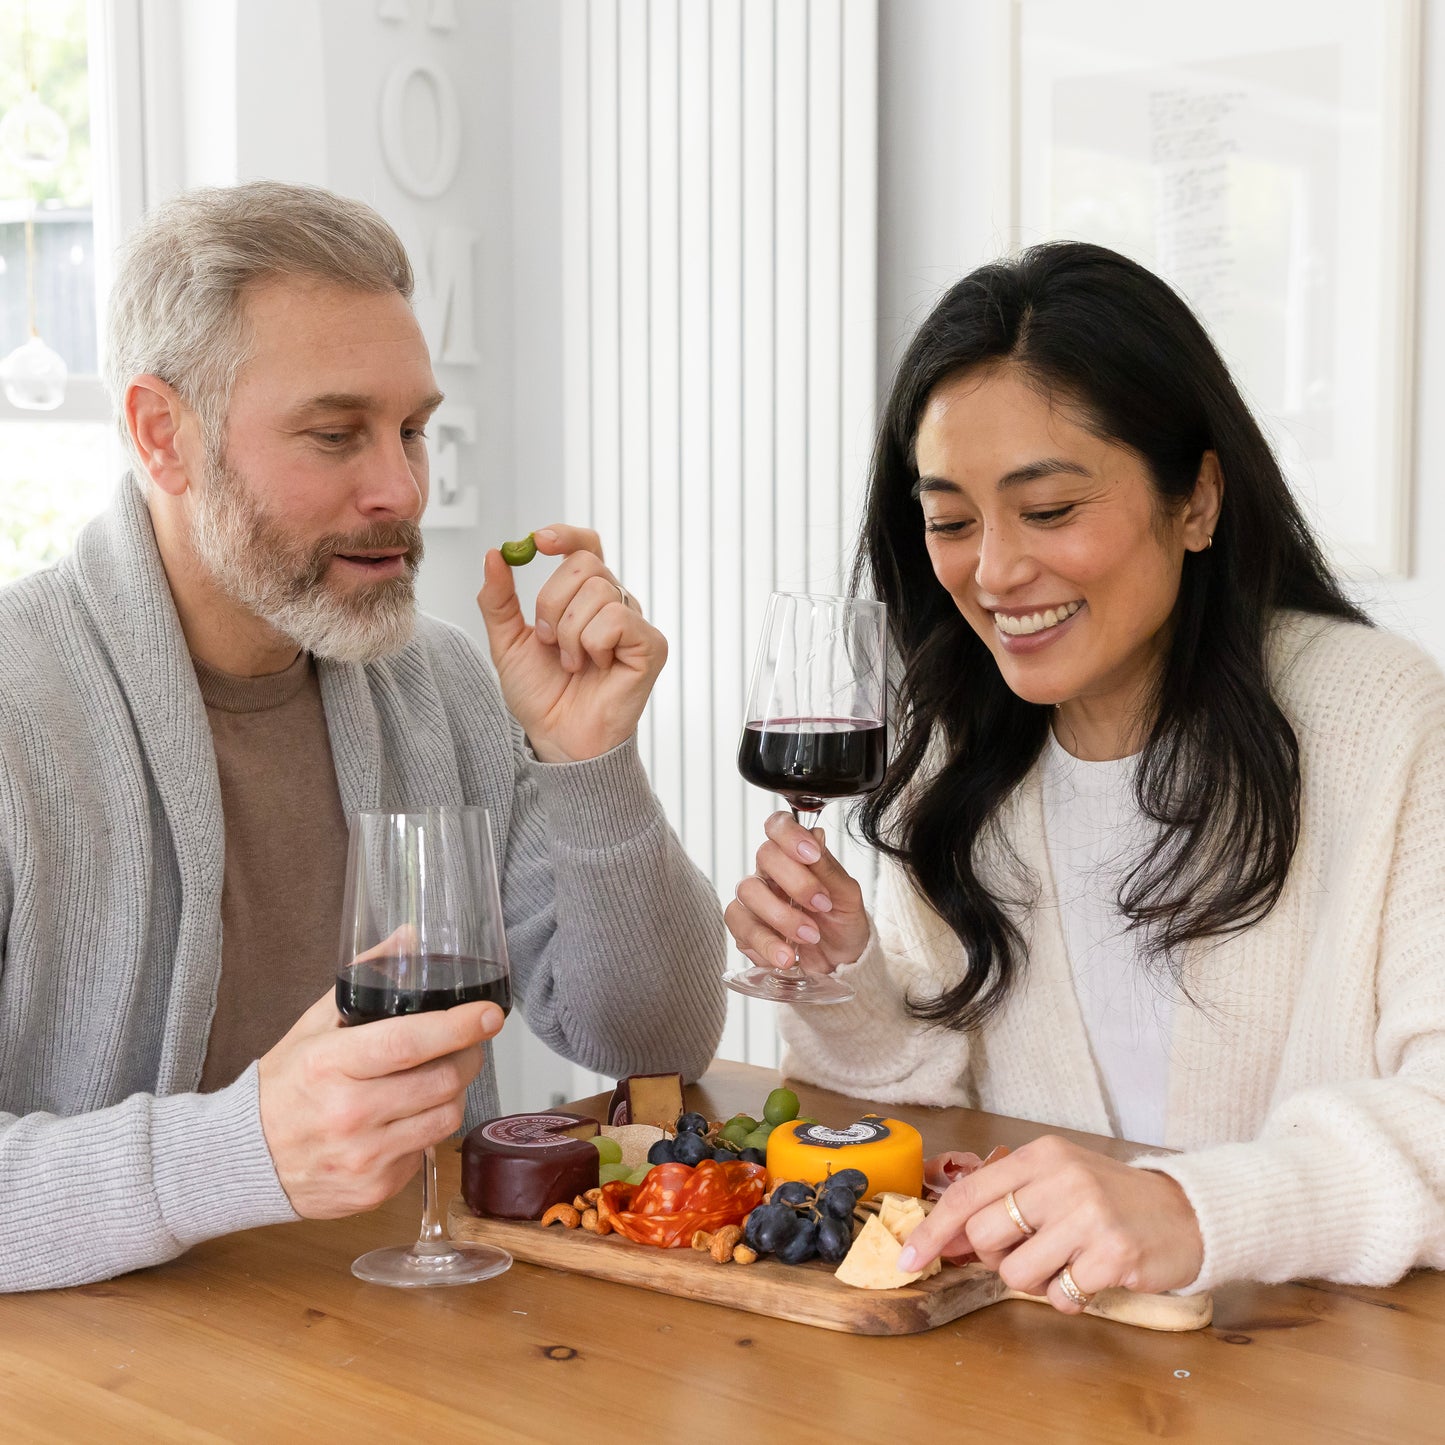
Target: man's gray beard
column 285, row 584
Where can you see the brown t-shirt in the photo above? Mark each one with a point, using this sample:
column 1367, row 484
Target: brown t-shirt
column 285, row 859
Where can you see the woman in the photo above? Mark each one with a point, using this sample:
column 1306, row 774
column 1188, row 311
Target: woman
column 1164, row 825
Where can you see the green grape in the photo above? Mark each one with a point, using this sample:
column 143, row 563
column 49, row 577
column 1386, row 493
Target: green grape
column 746, row 1120
column 640, row 1173
column 758, row 1139
column 609, row 1151
column 612, row 1173
column 781, row 1107
column 736, row 1131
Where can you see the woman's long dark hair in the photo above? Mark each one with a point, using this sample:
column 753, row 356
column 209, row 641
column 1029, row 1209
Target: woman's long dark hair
column 1220, row 769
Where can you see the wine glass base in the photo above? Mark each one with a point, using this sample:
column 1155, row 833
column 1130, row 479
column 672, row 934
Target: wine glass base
column 768, row 983
column 400, row 1267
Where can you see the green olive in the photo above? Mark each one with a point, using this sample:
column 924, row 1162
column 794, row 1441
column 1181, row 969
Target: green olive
column 518, row 554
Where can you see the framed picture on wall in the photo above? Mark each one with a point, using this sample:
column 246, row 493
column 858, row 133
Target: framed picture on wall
column 1262, row 158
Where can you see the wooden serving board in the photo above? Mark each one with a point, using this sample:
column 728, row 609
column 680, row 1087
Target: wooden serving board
column 804, row 1293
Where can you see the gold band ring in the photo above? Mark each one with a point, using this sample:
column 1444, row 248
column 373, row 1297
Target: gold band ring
column 1011, row 1204
column 1070, row 1289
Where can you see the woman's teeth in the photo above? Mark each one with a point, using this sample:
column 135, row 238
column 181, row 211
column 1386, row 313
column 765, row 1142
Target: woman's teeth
column 1036, row 621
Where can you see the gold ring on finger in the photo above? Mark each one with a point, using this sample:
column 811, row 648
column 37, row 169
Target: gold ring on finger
column 1070, row 1289
column 1011, row 1204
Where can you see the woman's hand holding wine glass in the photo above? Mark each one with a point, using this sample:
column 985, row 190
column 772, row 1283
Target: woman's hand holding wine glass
column 800, row 898
column 815, row 731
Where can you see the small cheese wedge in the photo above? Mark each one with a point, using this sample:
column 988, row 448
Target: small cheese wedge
column 900, row 1215
column 872, row 1262
column 647, row 1099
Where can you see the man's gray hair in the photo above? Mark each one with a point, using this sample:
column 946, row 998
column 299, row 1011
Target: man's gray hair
column 177, row 307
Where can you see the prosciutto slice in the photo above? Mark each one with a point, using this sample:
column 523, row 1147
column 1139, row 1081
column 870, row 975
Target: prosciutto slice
column 947, row 1168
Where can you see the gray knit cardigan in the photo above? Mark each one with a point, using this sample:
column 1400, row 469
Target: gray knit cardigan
column 111, row 863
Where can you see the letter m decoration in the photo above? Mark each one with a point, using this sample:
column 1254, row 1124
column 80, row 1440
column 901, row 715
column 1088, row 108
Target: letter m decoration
column 446, row 297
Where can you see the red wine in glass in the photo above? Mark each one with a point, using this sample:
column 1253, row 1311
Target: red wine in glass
column 812, row 760
column 814, row 732
column 379, row 989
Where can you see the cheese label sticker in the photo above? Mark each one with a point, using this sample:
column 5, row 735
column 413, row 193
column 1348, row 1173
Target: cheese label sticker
column 529, row 1131
column 865, row 1131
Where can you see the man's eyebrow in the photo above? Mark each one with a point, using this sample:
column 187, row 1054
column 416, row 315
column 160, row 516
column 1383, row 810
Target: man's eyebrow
column 356, row 401
column 1029, row 472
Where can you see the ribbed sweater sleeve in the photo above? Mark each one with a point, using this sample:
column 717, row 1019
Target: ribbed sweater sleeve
column 1346, row 1181
column 98, row 1194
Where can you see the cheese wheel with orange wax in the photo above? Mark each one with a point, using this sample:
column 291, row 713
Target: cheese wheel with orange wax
column 888, row 1151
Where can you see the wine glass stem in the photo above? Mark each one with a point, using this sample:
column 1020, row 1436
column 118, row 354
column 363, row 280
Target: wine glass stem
column 432, row 1240
column 808, row 817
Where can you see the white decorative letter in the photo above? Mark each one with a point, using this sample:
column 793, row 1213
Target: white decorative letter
column 442, row 14
column 448, row 125
column 451, row 505
column 445, row 301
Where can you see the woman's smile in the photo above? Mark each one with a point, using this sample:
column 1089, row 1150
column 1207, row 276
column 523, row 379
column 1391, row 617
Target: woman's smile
column 1028, row 630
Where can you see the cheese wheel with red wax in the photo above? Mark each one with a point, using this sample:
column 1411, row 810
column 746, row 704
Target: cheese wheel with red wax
column 517, row 1166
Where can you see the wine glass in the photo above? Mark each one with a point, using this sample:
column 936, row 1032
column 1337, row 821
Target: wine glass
column 421, row 929
column 815, row 730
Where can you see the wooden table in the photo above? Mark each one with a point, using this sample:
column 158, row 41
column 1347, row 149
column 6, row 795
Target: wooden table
column 266, row 1336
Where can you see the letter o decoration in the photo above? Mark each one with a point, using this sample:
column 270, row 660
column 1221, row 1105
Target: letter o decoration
column 449, row 129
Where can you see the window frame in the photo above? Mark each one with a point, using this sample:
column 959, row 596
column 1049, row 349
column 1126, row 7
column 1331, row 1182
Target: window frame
column 135, row 160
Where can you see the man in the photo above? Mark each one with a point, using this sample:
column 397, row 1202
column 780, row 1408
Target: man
column 190, row 705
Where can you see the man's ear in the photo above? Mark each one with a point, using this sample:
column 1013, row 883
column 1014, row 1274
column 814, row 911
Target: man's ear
column 1201, row 516
column 159, row 422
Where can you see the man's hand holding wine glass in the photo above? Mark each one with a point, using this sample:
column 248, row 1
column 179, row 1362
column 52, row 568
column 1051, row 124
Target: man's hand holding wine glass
column 799, row 897
column 578, row 678
column 347, row 1112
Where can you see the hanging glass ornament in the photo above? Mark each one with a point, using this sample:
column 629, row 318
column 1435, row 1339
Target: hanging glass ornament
column 33, row 376
column 33, row 137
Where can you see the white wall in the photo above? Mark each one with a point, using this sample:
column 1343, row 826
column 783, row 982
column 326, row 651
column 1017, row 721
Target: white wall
column 941, row 142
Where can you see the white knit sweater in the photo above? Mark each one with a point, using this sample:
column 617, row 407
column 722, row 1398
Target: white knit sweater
column 1307, row 1091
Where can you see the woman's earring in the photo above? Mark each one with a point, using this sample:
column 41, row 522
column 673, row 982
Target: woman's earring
column 1208, row 542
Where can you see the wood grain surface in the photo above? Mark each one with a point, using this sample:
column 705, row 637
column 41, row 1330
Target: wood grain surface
column 806, row 1294
column 266, row 1336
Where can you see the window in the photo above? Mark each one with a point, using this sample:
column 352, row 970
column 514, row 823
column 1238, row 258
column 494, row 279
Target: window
column 58, row 463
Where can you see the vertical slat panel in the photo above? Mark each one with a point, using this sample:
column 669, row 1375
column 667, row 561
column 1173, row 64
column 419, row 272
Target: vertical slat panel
column 719, row 192
column 731, row 533
column 755, row 572
column 603, row 174
column 576, row 262
column 857, row 306
column 664, row 600
column 824, row 195
column 791, row 245
column 634, row 275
